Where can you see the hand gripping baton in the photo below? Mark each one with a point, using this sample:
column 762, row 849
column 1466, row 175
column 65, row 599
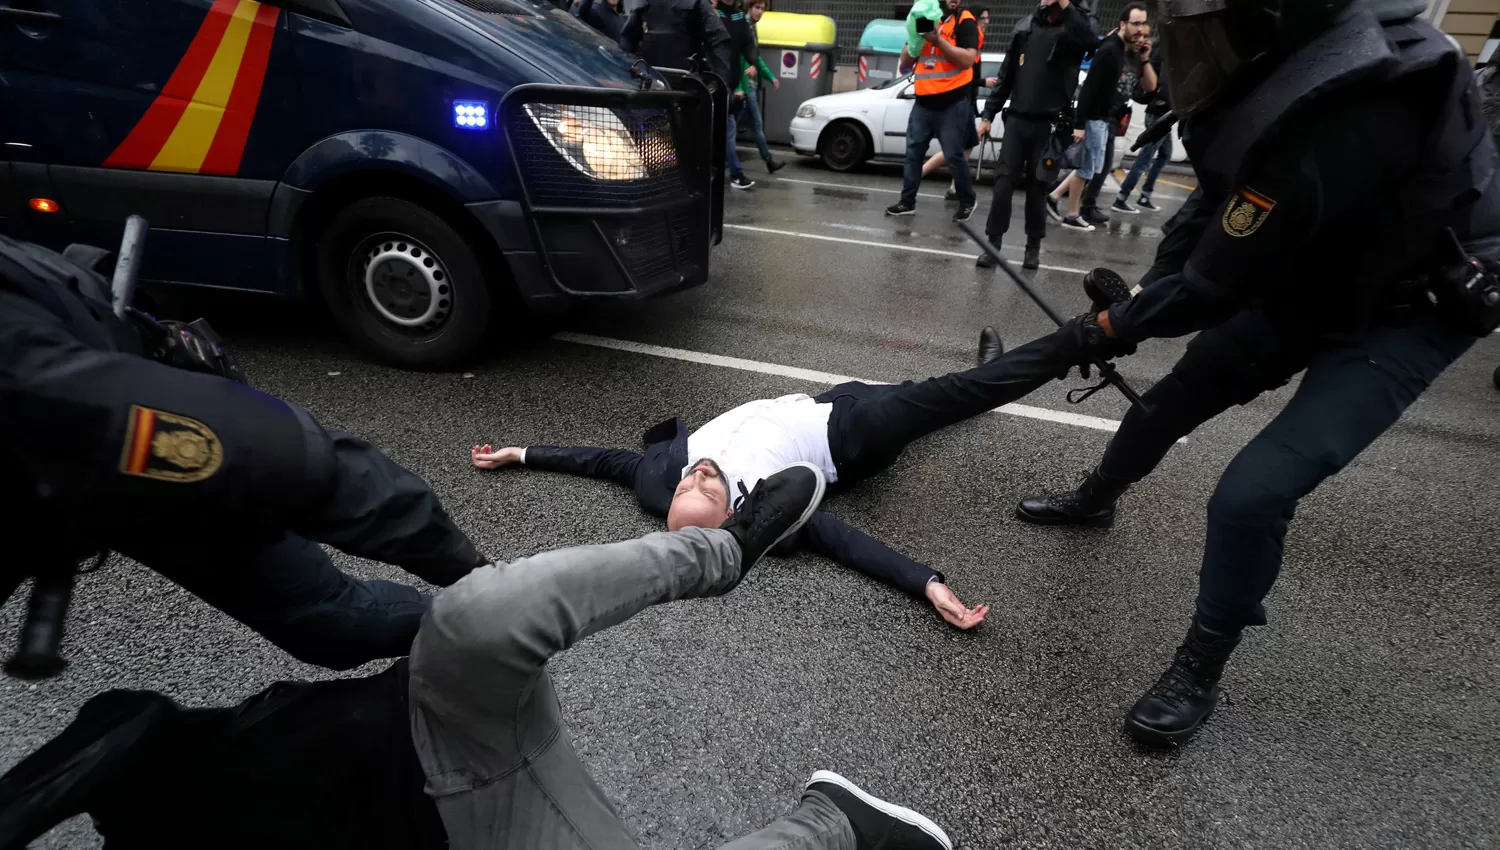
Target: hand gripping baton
column 1106, row 369
column 127, row 265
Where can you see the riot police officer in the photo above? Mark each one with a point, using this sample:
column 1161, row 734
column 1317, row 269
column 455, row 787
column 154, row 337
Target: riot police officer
column 668, row 33
column 137, row 436
column 1347, row 227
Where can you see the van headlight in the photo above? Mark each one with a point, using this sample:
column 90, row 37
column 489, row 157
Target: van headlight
column 807, row 110
column 591, row 139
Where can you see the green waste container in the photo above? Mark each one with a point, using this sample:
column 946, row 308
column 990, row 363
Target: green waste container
column 800, row 49
column 880, row 51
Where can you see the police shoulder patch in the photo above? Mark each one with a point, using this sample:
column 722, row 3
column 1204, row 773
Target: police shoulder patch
column 1247, row 211
column 169, row 447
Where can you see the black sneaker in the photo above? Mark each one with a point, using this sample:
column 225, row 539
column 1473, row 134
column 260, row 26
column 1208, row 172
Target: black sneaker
column 776, row 508
column 991, row 347
column 740, row 181
column 985, row 261
column 901, row 208
column 774, row 165
column 965, row 209
column 1074, row 222
column 1053, row 209
column 952, row 194
column 878, row 825
column 1146, row 203
column 1094, row 217
column 1123, row 206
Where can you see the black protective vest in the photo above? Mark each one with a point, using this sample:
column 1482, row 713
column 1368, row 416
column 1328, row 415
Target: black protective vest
column 672, row 32
column 1454, row 185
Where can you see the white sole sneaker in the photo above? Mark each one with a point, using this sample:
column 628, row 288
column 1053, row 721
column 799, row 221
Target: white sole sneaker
column 812, row 508
column 900, row 813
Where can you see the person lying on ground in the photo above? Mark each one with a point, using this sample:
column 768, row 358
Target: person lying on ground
column 472, row 715
column 852, row 431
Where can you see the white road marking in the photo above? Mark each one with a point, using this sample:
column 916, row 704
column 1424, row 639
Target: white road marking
column 1025, row 410
column 865, row 242
column 854, row 188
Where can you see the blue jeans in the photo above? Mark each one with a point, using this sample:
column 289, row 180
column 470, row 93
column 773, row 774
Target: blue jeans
column 1155, row 155
column 1351, row 392
column 951, row 126
column 758, row 124
column 731, row 156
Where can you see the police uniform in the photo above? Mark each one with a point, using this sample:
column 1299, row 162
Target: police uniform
column 1322, row 219
column 223, row 489
column 668, row 33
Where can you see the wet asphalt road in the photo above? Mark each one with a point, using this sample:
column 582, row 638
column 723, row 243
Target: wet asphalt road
column 1365, row 716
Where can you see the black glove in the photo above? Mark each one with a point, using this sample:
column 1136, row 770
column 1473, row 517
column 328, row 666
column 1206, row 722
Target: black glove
column 187, row 345
column 1084, row 342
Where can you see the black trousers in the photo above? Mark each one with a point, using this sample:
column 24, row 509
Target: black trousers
column 872, row 424
column 1021, row 151
column 1351, row 392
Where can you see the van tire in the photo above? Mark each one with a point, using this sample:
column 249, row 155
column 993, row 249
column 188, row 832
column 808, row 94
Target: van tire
column 843, row 146
column 403, row 284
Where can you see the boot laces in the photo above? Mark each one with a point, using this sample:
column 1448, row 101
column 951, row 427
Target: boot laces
column 1182, row 681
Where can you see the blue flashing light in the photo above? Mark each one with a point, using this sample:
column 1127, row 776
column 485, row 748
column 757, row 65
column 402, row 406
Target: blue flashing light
column 470, row 115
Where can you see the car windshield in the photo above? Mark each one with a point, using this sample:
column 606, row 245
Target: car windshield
column 893, row 82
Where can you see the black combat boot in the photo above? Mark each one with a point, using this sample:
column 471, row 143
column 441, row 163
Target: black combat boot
column 1033, row 258
column 1186, row 694
column 1092, row 504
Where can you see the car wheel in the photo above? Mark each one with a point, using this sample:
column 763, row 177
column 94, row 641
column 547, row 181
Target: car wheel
column 842, row 146
column 403, row 284
column 1497, row 377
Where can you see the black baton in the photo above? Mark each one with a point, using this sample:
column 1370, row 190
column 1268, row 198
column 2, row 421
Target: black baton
column 1106, row 369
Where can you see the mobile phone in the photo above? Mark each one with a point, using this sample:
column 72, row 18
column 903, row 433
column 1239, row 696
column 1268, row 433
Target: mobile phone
column 925, row 25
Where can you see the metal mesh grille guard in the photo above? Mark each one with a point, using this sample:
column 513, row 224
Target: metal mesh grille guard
column 627, row 175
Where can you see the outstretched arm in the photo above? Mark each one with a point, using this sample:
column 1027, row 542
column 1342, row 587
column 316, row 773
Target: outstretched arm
column 617, row 465
column 833, row 538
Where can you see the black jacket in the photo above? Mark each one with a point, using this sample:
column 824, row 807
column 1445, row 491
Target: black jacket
column 655, row 474
column 1075, row 37
column 679, row 29
column 1097, row 100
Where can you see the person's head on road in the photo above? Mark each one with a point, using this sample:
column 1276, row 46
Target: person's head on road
column 1133, row 22
column 701, row 499
column 754, row 9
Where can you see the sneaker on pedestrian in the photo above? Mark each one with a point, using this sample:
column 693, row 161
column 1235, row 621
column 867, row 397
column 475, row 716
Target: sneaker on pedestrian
column 1123, row 206
column 1076, row 222
column 1145, row 203
column 965, row 209
column 774, row 165
column 740, row 181
column 1094, row 217
column 901, row 208
column 877, row 824
column 1053, row 209
column 952, row 194
column 776, row 508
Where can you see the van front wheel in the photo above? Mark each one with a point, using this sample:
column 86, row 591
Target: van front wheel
column 403, row 284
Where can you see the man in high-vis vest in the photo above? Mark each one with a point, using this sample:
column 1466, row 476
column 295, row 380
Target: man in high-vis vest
column 943, row 73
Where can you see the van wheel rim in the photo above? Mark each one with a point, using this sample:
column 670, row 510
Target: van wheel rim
column 405, row 282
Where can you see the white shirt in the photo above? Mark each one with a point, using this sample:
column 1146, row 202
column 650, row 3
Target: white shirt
column 755, row 439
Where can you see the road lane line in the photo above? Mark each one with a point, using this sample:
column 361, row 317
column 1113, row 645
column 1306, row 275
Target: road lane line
column 855, row 188
column 814, row 376
column 865, row 242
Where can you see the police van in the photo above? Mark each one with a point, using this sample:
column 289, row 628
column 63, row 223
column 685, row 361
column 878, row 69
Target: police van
column 426, row 168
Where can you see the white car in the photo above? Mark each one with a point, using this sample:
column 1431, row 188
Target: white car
column 850, row 128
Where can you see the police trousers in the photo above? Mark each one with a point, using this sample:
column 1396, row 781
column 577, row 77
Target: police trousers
column 485, row 717
column 1351, row 392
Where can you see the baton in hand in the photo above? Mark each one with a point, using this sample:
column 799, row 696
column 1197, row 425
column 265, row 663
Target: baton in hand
column 1106, row 369
column 127, row 265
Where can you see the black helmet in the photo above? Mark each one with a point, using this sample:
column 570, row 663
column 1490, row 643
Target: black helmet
column 1214, row 47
